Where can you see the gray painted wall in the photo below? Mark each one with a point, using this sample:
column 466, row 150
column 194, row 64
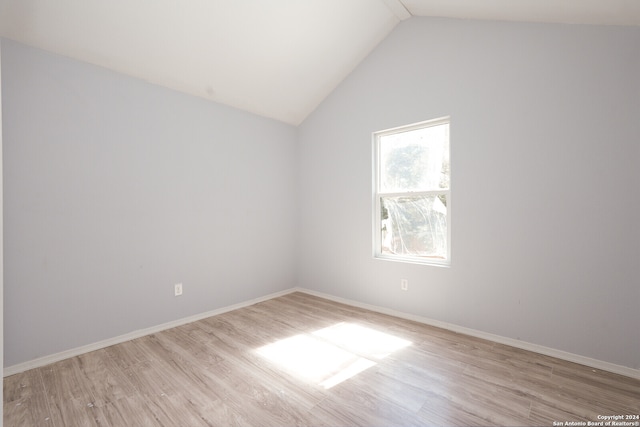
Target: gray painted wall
column 545, row 173
column 1, row 253
column 116, row 189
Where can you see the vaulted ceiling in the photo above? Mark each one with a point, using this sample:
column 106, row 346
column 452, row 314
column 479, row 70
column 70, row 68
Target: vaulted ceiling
column 275, row 58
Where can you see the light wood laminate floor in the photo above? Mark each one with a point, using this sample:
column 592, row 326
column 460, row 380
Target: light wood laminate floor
column 303, row 360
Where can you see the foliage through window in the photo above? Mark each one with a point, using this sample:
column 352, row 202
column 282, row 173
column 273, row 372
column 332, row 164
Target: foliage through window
column 412, row 193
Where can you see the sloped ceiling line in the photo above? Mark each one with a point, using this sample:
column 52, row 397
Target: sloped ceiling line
column 398, row 9
column 278, row 58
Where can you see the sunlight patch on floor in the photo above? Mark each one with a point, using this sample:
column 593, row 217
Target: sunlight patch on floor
column 334, row 354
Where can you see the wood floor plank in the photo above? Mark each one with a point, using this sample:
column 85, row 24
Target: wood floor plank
column 29, row 411
column 605, row 384
column 18, row 413
column 127, row 411
column 64, row 382
column 128, row 355
column 72, row 413
column 457, row 410
column 361, row 407
column 546, row 413
column 22, row 385
column 217, row 371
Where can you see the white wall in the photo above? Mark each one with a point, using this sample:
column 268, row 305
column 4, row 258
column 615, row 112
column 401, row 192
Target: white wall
column 1, row 255
column 545, row 172
column 116, row 189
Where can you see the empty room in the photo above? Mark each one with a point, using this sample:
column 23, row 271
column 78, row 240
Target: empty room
column 320, row 212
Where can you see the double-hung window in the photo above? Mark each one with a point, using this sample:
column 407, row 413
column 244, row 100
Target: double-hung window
column 412, row 193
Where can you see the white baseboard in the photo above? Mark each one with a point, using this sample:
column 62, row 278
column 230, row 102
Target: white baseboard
column 547, row 351
column 593, row 363
column 46, row 360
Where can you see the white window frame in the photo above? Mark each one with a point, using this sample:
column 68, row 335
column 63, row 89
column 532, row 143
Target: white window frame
column 377, row 195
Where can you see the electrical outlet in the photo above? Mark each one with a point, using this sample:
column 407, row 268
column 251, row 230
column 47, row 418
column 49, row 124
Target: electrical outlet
column 404, row 284
column 177, row 289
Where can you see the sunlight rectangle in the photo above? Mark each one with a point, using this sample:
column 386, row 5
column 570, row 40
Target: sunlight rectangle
column 361, row 340
column 332, row 355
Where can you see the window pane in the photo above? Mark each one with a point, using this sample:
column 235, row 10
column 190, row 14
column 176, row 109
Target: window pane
column 416, row 160
column 414, row 225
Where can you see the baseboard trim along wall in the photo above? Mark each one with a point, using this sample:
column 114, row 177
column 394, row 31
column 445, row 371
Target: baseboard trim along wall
column 46, row 360
column 593, row 363
column 547, row 351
